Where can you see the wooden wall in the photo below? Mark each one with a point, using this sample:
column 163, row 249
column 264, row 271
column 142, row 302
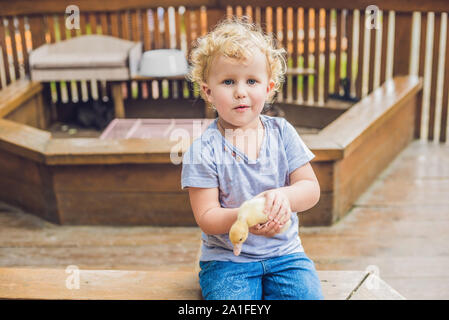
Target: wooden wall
column 326, row 36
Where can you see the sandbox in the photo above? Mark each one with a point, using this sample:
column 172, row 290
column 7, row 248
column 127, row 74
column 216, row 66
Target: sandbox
column 85, row 181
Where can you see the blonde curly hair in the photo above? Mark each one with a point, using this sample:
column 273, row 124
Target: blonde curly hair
column 236, row 38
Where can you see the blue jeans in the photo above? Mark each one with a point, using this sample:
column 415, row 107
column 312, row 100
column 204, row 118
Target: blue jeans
column 289, row 277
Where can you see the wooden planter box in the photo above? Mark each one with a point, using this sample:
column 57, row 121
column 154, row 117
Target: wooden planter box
column 134, row 182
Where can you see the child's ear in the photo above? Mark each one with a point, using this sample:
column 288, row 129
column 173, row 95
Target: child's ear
column 270, row 86
column 206, row 91
column 270, row 89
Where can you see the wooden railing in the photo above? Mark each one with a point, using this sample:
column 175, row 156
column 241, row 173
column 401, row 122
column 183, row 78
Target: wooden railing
column 327, row 36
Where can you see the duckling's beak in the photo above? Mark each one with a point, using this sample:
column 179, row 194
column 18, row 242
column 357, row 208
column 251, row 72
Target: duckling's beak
column 237, row 249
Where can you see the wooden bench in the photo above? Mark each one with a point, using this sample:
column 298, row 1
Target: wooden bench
column 41, row 283
column 22, row 102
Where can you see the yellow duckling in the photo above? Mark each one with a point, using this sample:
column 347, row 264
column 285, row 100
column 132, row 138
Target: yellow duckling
column 250, row 214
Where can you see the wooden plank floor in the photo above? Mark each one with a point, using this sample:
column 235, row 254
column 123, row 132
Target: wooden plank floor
column 398, row 228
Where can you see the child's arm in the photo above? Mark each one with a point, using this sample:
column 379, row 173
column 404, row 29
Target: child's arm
column 209, row 215
column 304, row 189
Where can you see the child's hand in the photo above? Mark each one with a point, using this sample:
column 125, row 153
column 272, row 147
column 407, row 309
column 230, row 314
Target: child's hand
column 277, row 207
column 269, row 228
column 276, row 204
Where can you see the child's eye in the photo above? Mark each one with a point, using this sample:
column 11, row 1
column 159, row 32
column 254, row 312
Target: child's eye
column 228, row 81
column 252, row 81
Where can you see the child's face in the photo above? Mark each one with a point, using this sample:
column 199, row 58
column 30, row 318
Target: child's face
column 233, row 83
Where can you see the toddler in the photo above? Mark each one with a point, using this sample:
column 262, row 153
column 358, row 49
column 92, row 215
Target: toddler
column 244, row 154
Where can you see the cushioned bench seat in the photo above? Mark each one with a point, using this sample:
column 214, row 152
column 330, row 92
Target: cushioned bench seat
column 86, row 57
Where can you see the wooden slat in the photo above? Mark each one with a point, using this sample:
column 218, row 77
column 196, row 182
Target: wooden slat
column 274, row 21
column 4, row 52
column 402, row 39
column 263, row 18
column 62, row 34
column 157, row 33
column 166, row 30
column 306, row 54
column 62, row 28
column 125, row 32
column 23, row 44
column 146, row 86
column 51, row 28
column 146, row 31
column 372, row 58
column 96, row 151
column 383, row 59
column 433, row 83
column 75, row 91
column 257, row 15
column 444, row 111
column 339, row 28
column 167, row 45
column 349, row 35
column 188, row 27
column 361, row 59
column 119, row 109
column 93, row 22
column 284, row 27
column 136, row 35
column 37, row 28
column 249, row 13
column 316, row 78
column 158, row 39
column 84, row 17
column 115, row 24
column 327, row 55
column 213, row 17
column 118, row 179
column 142, row 17
column 12, row 35
column 178, row 29
column 295, row 53
column 104, row 21
column 422, row 56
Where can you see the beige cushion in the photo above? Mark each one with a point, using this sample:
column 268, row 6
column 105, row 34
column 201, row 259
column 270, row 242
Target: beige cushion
column 74, row 60
column 91, row 53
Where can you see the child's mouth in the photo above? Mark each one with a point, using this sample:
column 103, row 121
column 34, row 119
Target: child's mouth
column 241, row 107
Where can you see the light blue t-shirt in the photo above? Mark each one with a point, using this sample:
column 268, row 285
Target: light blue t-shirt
column 214, row 162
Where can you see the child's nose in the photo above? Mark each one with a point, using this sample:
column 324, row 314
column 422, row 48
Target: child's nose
column 240, row 91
